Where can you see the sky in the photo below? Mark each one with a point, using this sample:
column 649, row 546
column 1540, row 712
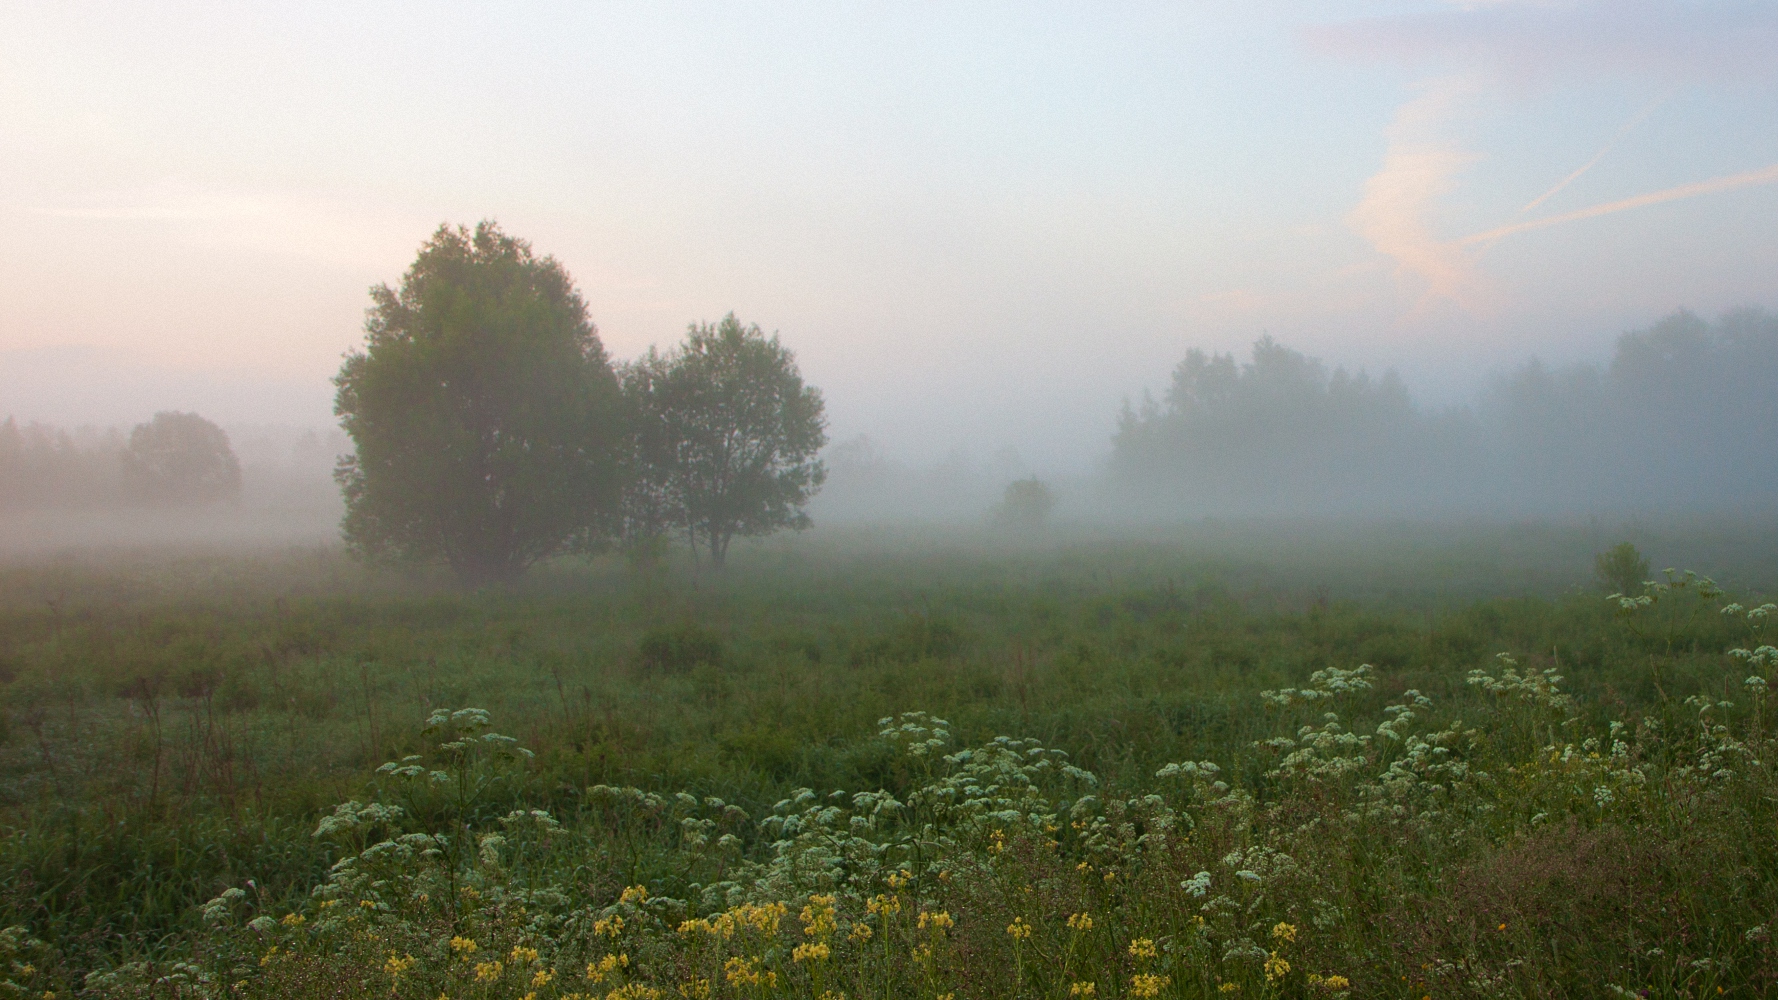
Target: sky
column 979, row 226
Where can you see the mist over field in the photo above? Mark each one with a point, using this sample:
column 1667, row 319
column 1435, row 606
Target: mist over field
column 797, row 501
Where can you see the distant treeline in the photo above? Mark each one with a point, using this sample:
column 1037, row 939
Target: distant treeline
column 1685, row 415
column 175, row 459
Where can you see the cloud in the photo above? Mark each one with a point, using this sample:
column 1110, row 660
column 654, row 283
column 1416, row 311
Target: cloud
column 1750, row 178
column 1590, row 164
column 1731, row 39
column 1395, row 212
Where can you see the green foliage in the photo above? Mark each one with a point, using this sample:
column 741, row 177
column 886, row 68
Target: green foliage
column 726, row 435
column 1017, row 773
column 181, row 458
column 1621, row 569
column 483, row 410
column 679, row 648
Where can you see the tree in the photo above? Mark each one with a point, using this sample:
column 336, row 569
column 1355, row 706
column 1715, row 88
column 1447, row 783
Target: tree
column 181, row 458
column 483, row 410
column 1026, row 505
column 1621, row 568
column 725, row 435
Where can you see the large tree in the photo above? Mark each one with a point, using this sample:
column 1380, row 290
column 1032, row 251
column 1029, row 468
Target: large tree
column 181, row 458
column 724, row 436
column 483, row 409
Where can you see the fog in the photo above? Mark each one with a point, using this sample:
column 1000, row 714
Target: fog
column 1680, row 421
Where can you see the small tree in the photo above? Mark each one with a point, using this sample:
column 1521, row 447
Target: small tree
column 483, row 411
column 1025, row 506
column 181, row 458
column 724, row 438
column 1621, row 569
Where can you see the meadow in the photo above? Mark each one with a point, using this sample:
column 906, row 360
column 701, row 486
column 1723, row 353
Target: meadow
column 1251, row 761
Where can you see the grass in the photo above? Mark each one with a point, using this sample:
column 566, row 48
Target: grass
column 703, row 756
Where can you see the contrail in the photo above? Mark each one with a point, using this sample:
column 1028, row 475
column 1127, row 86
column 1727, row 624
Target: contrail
column 1564, row 182
column 1765, row 175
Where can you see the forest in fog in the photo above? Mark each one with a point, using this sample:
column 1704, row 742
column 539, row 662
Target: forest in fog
column 1681, row 418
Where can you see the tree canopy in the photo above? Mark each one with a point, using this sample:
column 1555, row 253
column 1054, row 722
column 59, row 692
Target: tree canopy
column 483, row 409
column 181, row 458
column 725, row 436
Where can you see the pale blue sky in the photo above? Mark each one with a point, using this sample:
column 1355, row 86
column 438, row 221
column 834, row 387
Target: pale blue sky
column 980, row 223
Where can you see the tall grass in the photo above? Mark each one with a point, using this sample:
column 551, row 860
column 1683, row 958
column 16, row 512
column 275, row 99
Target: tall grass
column 1136, row 784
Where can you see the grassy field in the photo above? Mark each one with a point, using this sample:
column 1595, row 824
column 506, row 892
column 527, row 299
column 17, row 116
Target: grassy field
column 1274, row 760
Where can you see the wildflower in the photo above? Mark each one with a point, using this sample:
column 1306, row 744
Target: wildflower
column 1018, row 929
column 1082, row 989
column 1142, row 948
column 817, row 917
column 1080, row 922
column 328, row 904
column 1276, row 968
column 1285, row 932
column 1229, row 988
column 397, row 964
column 996, row 842
column 747, row 972
column 463, row 946
column 367, row 904
column 294, row 920
column 939, row 921
column 899, row 880
column 1148, row 985
column 1111, row 876
column 521, row 954
column 487, row 972
column 637, row 894
column 860, row 932
column 695, row 989
column 542, row 978
column 597, row 971
column 884, row 905
column 809, row 953
column 1332, row 984
column 610, row 926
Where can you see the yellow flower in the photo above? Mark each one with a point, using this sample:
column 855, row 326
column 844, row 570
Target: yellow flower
column 634, row 894
column 939, row 921
column 818, row 917
column 542, row 978
column 487, row 972
column 1145, row 985
column 396, row 965
column 860, row 932
column 294, row 920
column 997, row 842
column 883, row 904
column 1142, row 948
column 463, row 946
column 1229, row 988
column 1018, row 929
column 1283, row 932
column 1082, row 989
column 609, row 927
column 809, row 953
column 522, row 954
column 695, row 989
column 1276, row 968
column 898, row 880
column 747, row 972
column 1082, row 922
column 1330, row 983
